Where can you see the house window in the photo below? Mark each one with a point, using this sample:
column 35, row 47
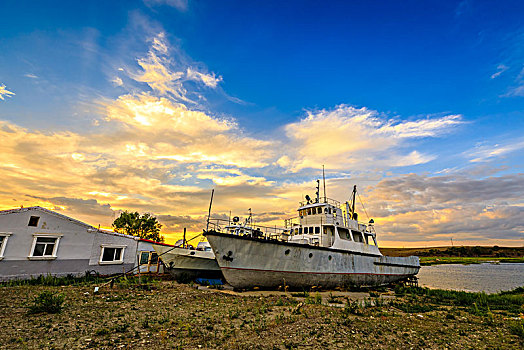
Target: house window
column 144, row 258
column 4, row 236
column 33, row 221
column 112, row 254
column 154, row 258
column 44, row 247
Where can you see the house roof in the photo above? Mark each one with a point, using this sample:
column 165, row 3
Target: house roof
column 44, row 210
column 65, row 217
column 159, row 243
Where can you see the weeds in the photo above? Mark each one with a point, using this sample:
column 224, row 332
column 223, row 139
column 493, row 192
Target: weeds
column 49, row 280
column 47, row 302
column 517, row 327
column 317, row 299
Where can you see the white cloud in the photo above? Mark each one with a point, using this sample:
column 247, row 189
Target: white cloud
column 181, row 5
column 31, row 75
column 209, row 80
column 117, row 81
column 516, row 91
column 501, row 68
column 167, row 76
column 484, row 153
column 5, row 93
column 357, row 139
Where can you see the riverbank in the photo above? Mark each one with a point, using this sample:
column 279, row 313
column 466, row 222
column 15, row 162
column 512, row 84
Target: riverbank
column 460, row 255
column 438, row 260
column 165, row 314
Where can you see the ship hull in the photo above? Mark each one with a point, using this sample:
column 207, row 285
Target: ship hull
column 182, row 263
column 248, row 262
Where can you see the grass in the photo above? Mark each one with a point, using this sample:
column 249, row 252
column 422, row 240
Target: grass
column 478, row 303
column 438, row 260
column 46, row 302
column 49, row 280
column 178, row 316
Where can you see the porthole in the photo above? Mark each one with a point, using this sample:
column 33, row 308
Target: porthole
column 286, row 252
column 329, row 257
column 310, row 255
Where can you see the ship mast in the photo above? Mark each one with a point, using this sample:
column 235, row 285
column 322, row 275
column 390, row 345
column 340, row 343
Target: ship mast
column 353, row 202
column 324, row 180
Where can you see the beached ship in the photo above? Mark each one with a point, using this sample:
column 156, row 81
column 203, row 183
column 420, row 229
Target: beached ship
column 324, row 247
column 183, row 261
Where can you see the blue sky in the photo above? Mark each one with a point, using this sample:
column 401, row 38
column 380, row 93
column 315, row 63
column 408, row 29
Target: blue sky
column 252, row 98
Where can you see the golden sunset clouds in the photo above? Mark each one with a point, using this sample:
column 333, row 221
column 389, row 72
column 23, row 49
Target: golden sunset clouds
column 154, row 148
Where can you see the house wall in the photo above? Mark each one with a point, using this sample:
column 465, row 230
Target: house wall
column 130, row 253
column 78, row 249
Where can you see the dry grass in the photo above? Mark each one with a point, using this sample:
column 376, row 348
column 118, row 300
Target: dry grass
column 174, row 316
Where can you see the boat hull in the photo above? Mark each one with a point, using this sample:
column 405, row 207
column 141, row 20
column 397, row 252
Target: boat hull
column 247, row 262
column 182, row 263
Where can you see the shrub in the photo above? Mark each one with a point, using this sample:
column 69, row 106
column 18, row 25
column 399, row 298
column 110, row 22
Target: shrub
column 47, row 302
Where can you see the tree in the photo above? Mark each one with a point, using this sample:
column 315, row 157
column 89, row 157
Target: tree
column 145, row 226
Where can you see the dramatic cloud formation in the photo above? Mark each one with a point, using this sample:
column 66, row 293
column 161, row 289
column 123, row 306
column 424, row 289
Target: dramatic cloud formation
column 420, row 208
column 160, row 72
column 360, row 139
column 155, row 147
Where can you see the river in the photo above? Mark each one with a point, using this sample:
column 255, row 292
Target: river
column 489, row 278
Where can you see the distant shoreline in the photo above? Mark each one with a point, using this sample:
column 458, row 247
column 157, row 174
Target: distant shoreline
column 461, row 255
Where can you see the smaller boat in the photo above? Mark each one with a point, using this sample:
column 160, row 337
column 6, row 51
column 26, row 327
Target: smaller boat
column 185, row 262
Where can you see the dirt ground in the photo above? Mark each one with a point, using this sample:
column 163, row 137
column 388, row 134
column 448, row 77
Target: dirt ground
column 177, row 316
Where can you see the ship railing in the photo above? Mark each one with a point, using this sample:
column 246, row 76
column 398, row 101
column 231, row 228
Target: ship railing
column 327, row 200
column 251, row 229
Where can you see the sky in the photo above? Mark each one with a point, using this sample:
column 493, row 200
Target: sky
column 148, row 105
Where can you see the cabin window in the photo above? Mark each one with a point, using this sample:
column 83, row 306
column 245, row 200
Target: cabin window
column 33, row 221
column 329, row 210
column 112, row 254
column 317, row 229
column 357, row 237
column 305, row 230
column 300, row 230
column 308, row 211
column 344, row 234
column 4, row 236
column 44, row 247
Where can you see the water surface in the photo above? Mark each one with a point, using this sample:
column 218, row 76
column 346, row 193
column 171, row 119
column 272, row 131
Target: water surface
column 489, row 278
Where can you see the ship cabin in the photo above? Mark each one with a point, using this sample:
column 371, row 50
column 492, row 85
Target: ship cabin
column 323, row 222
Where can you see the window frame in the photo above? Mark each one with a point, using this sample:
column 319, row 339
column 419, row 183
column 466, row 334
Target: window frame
column 113, row 262
column 6, row 236
column 53, row 256
column 31, row 219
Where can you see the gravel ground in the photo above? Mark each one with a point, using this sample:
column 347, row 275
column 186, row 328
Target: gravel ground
column 170, row 315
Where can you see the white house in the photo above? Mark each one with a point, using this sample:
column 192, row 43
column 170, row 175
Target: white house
column 36, row 241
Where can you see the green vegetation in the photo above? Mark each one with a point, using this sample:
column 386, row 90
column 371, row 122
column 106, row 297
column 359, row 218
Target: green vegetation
column 144, row 226
column 49, row 280
column 425, row 261
column 47, row 302
column 510, row 302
